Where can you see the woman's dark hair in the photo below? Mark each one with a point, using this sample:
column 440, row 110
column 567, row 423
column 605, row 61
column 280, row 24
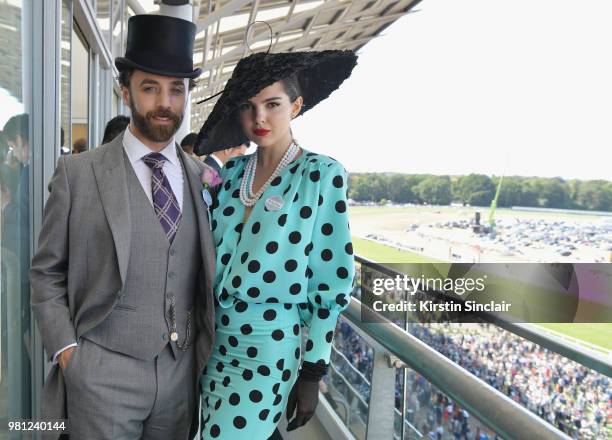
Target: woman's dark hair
column 292, row 87
column 126, row 73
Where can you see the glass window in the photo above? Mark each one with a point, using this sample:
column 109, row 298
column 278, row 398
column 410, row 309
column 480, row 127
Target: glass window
column 80, row 92
column 65, row 67
column 116, row 26
column 15, row 177
column 103, row 16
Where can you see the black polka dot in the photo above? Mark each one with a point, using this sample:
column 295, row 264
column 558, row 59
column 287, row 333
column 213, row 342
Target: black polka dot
column 290, row 265
column 286, row 375
column 220, row 367
column 272, row 300
column 295, row 237
column 329, row 336
column 296, row 329
column 215, row 431
column 236, row 193
column 277, row 335
column 340, row 206
column 255, row 396
column 263, row 414
column 323, row 313
column 226, row 381
column 238, row 228
column 309, row 273
column 341, row 299
column 254, row 266
column 253, row 292
column 234, row 399
column 246, row 329
column 269, row 315
column 287, row 190
column 277, row 417
column 251, row 352
column 318, row 299
column 320, row 202
column 338, row 181
column 239, row 422
column 276, row 181
column 326, row 254
column 256, row 227
column 228, row 185
column 327, row 229
column 280, row 364
column 297, row 353
column 225, row 259
column 275, row 388
column 241, row 306
column 272, row 247
column 230, row 164
column 315, row 175
column 342, row 272
column 224, row 294
column 235, row 363
column 269, row 276
column 295, row 288
column 296, row 197
column 349, row 248
column 282, row 220
column 263, row 370
column 309, row 345
column 232, row 341
column 247, row 374
column 225, row 320
column 228, row 211
column 288, row 306
column 308, row 249
column 212, row 385
column 213, row 225
column 217, row 405
column 244, row 257
column 277, row 399
column 222, row 350
column 236, row 281
column 305, row 212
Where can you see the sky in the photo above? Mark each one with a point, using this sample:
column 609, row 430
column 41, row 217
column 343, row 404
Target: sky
column 514, row 87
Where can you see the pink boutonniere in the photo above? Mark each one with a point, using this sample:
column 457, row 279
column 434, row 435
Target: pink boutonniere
column 210, row 179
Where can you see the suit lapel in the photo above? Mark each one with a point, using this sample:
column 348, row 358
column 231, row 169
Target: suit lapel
column 193, row 176
column 112, row 184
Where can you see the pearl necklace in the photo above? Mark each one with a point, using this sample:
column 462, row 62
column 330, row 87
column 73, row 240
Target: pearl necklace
column 246, row 186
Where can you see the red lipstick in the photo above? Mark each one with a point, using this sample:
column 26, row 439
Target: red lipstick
column 261, row 131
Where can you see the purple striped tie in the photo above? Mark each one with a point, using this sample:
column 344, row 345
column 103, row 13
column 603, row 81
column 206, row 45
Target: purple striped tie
column 165, row 204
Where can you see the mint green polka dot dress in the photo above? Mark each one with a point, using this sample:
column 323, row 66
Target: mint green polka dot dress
column 290, row 265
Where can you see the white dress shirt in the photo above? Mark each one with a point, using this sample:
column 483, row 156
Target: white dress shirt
column 135, row 151
column 216, row 159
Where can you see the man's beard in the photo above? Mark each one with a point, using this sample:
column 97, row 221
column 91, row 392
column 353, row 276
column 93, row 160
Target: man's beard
column 152, row 131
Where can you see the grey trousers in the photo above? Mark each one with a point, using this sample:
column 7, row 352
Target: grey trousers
column 114, row 396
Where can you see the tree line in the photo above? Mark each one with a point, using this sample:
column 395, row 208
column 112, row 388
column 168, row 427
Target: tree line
column 479, row 190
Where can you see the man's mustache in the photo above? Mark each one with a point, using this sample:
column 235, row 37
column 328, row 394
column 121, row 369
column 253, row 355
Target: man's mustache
column 164, row 113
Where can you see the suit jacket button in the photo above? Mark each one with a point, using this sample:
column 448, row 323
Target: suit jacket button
column 171, row 275
column 165, row 337
column 172, row 252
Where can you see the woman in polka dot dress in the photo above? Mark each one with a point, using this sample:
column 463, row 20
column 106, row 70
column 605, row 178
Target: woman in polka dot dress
column 284, row 252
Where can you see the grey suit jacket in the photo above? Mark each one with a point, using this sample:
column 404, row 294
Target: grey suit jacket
column 79, row 269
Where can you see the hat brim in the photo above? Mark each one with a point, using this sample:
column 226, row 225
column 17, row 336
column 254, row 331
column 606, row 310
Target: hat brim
column 319, row 74
column 122, row 62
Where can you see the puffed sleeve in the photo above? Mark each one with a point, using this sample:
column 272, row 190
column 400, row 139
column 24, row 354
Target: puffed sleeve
column 330, row 262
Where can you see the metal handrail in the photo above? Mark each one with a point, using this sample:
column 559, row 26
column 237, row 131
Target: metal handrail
column 584, row 357
column 491, row 407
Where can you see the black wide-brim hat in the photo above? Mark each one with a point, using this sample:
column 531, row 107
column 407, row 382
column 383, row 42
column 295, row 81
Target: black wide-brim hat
column 319, row 74
column 161, row 45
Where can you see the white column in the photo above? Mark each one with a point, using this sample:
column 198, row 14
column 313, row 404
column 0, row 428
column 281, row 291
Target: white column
column 186, row 13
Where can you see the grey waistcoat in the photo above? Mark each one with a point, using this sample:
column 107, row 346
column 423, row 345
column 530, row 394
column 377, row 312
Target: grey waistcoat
column 139, row 325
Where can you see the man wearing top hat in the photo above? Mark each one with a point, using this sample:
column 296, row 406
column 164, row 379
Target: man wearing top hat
column 121, row 281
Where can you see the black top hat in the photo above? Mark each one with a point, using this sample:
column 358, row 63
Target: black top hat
column 319, row 74
column 161, row 45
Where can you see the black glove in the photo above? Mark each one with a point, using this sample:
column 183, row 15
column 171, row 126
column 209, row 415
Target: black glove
column 305, row 394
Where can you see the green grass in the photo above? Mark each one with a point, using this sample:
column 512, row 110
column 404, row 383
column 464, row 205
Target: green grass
column 599, row 334
column 381, row 253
